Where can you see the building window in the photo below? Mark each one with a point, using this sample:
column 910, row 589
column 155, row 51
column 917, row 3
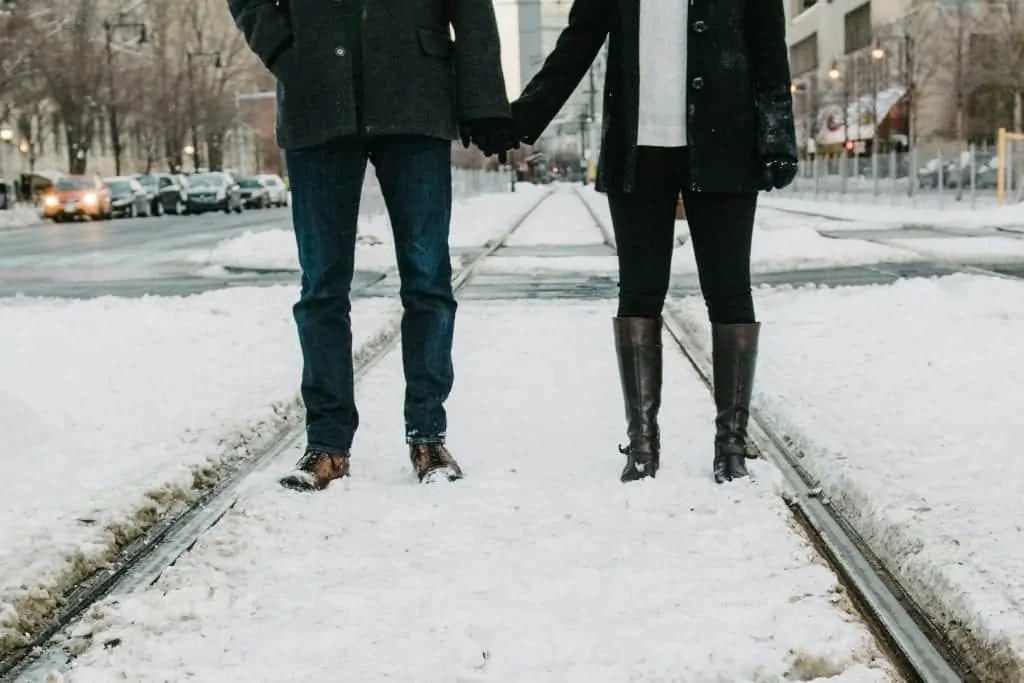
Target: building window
column 858, row 28
column 803, row 57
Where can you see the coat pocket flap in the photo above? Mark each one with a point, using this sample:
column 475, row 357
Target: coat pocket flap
column 435, row 43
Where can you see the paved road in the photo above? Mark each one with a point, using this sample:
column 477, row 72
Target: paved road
column 138, row 256
column 149, row 256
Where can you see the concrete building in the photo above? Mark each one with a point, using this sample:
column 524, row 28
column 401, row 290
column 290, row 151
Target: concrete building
column 907, row 68
column 539, row 24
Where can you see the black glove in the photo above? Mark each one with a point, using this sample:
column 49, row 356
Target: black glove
column 778, row 172
column 492, row 136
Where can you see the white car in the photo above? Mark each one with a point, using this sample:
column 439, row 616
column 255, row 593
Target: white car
column 277, row 189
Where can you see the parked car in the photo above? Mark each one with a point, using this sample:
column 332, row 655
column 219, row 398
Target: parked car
column 255, row 195
column 128, row 198
column 166, row 192
column 75, row 196
column 277, row 189
column 213, row 191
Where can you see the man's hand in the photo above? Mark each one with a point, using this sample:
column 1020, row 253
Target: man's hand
column 492, row 136
column 778, row 172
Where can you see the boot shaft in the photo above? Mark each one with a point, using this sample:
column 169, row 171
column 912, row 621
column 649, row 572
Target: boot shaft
column 734, row 353
column 639, row 350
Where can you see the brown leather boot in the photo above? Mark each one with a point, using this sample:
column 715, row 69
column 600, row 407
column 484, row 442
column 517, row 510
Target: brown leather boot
column 639, row 350
column 734, row 353
column 432, row 462
column 315, row 470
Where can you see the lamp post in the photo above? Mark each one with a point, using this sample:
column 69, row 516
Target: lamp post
column 115, row 136
column 835, row 74
column 877, row 55
column 190, row 58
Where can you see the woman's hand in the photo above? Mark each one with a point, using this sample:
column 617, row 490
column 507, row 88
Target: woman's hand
column 778, row 172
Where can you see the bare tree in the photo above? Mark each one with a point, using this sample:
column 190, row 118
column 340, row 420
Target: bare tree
column 66, row 57
column 923, row 43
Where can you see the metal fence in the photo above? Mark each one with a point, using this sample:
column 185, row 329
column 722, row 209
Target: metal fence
column 471, row 182
column 953, row 177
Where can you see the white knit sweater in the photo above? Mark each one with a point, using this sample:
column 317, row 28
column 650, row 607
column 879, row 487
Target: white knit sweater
column 662, row 116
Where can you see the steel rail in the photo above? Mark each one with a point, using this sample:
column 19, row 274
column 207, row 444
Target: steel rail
column 917, row 647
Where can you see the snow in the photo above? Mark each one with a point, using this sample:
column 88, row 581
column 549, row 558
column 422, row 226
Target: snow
column 20, row 217
column 114, row 411
column 780, row 245
column 473, row 223
column 906, row 402
column 878, row 212
column 539, row 566
column 965, row 248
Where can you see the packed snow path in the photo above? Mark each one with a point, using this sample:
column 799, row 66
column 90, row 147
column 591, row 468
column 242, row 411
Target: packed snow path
column 539, row 566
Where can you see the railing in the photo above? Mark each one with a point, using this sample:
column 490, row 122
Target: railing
column 952, row 176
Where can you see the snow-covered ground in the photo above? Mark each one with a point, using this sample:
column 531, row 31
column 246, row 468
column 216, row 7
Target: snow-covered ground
column 20, row 217
column 957, row 215
column 473, row 222
column 907, row 402
column 781, row 245
column 113, row 411
column 539, row 566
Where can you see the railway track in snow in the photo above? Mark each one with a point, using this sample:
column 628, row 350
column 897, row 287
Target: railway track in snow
column 917, row 647
column 141, row 563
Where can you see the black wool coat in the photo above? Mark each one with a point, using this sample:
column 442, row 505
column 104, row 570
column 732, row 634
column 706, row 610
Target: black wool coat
column 739, row 106
column 416, row 79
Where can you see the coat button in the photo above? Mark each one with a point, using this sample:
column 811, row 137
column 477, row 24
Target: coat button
column 698, row 83
column 699, row 26
column 340, row 51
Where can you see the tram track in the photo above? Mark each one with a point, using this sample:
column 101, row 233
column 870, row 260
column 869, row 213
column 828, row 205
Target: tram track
column 917, row 647
column 143, row 561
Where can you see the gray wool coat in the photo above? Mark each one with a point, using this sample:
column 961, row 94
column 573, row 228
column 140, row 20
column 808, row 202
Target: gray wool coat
column 417, row 79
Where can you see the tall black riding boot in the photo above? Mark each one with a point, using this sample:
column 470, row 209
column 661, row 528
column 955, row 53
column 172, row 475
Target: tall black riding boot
column 734, row 351
column 638, row 346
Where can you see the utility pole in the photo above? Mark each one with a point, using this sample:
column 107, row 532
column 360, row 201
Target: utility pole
column 115, row 134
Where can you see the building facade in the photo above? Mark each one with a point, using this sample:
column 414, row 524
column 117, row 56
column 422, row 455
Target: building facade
column 892, row 74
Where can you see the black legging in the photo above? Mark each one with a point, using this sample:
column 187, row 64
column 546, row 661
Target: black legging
column 721, row 227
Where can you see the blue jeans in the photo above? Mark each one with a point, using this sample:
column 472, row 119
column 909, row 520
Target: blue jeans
column 327, row 182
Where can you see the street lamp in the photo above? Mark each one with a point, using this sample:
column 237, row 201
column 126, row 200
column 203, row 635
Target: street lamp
column 109, row 27
column 6, row 134
column 877, row 52
column 834, row 73
column 217, row 64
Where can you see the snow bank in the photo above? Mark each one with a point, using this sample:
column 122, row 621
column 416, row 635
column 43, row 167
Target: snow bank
column 780, row 245
column 955, row 215
column 539, row 567
column 115, row 411
column 474, row 221
column 906, row 401
column 20, row 217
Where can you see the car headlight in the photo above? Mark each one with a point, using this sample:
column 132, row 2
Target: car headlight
column 50, row 200
column 89, row 198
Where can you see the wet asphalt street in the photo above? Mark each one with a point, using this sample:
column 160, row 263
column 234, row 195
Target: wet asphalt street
column 156, row 256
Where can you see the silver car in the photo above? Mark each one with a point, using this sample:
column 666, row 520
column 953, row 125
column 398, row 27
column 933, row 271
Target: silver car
column 277, row 189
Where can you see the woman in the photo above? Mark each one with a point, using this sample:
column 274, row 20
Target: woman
column 696, row 100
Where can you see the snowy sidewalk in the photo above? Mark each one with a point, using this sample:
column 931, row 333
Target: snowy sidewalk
column 539, row 566
column 114, row 412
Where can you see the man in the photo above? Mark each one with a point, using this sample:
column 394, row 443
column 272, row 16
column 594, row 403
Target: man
column 378, row 81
